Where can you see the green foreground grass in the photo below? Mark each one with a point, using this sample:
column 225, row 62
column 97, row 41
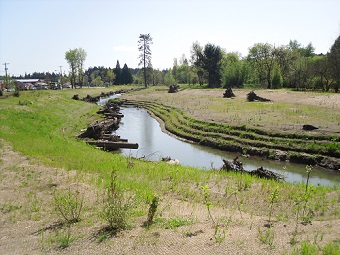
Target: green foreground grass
column 43, row 125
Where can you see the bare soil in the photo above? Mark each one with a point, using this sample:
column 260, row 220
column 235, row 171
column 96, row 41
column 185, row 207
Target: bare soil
column 28, row 223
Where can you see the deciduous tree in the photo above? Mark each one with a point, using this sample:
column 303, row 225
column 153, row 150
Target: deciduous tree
column 81, row 57
column 197, row 61
column 110, row 76
column 71, row 58
column 76, row 58
column 261, row 56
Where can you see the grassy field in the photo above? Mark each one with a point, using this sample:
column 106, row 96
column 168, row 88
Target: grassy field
column 268, row 129
column 43, row 163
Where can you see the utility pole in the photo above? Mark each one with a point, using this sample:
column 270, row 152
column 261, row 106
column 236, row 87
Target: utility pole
column 61, row 74
column 5, row 64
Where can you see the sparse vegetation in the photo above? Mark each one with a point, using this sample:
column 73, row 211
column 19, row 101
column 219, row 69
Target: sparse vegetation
column 69, row 204
column 152, row 211
column 117, row 207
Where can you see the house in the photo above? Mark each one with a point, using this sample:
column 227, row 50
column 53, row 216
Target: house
column 27, row 84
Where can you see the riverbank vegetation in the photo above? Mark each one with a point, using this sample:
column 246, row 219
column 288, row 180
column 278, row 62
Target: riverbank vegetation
column 212, row 210
column 269, row 129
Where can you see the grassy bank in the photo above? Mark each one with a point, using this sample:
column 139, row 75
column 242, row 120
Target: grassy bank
column 43, row 125
column 257, row 131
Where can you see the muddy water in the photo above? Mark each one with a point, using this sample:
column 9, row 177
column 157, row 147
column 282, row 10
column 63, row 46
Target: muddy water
column 139, row 127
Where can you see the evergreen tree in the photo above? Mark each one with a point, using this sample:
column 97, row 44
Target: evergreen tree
column 144, row 43
column 334, row 60
column 118, row 73
column 126, row 76
column 212, row 56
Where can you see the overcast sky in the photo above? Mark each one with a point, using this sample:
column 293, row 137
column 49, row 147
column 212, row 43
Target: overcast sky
column 35, row 34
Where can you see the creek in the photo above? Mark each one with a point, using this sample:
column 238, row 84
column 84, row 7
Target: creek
column 139, row 127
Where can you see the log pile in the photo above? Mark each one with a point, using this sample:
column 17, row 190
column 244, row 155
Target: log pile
column 95, row 99
column 97, row 130
column 101, row 131
column 237, row 166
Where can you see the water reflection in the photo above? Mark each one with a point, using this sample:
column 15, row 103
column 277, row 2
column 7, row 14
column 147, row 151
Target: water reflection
column 138, row 126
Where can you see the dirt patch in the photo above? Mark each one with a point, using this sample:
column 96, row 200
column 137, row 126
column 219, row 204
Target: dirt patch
column 29, row 224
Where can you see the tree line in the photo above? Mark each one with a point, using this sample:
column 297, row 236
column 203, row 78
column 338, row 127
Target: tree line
column 290, row 66
column 266, row 65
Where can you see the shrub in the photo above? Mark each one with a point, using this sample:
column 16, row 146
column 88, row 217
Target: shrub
column 69, row 204
column 152, row 211
column 117, row 207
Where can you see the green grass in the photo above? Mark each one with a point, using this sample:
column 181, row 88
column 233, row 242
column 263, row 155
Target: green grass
column 45, row 130
column 173, row 223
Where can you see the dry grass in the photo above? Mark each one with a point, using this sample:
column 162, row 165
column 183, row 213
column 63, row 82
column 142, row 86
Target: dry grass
column 287, row 112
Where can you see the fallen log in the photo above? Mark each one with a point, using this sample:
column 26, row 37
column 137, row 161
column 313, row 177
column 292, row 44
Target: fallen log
column 237, row 166
column 113, row 138
column 266, row 174
column 98, row 129
column 234, row 165
column 307, row 127
column 251, row 96
column 109, row 145
column 114, row 115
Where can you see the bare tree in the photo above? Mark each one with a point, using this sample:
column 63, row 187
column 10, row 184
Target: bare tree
column 144, row 43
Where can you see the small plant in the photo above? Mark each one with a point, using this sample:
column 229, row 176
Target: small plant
column 306, row 249
column 219, row 234
column 267, row 236
column 173, row 223
column 297, row 206
column 152, row 211
column 7, row 207
column 308, row 170
column 273, row 198
column 116, row 208
column 235, row 193
column 307, row 213
column 64, row 238
column 69, row 205
column 207, row 200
